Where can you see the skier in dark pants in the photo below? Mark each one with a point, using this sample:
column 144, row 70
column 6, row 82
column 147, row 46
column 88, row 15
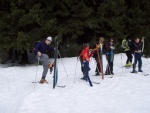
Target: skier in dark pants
column 109, row 56
column 97, row 46
column 126, row 47
column 42, row 49
column 137, row 48
column 97, row 71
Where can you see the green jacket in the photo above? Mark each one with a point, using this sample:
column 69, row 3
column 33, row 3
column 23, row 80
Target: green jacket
column 125, row 45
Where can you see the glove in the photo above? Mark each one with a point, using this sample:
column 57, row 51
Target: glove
column 82, row 65
column 112, row 47
column 51, row 65
column 139, row 51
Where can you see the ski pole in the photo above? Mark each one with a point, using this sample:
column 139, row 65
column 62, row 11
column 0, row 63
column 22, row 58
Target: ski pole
column 62, row 63
column 36, row 70
column 134, row 67
column 143, row 45
column 75, row 70
column 121, row 64
column 76, row 66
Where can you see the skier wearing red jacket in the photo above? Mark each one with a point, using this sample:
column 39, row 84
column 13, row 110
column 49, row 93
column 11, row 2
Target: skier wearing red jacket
column 86, row 54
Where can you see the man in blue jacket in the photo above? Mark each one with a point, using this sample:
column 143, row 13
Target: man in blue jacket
column 137, row 48
column 41, row 49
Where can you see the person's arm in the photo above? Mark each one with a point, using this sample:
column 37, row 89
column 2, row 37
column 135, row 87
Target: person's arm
column 112, row 47
column 51, row 49
column 37, row 49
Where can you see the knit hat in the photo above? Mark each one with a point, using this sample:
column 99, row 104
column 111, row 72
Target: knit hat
column 49, row 38
column 128, row 37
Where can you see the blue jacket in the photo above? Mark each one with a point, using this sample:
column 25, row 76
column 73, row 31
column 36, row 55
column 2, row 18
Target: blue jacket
column 43, row 48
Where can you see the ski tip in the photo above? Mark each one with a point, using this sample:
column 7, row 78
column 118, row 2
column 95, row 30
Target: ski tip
column 145, row 74
column 61, row 86
column 35, row 82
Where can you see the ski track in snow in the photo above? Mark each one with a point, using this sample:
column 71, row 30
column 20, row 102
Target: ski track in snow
column 120, row 94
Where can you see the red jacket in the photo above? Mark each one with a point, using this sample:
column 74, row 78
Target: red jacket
column 86, row 54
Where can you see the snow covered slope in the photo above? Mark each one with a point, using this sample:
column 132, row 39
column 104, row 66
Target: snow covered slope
column 120, row 94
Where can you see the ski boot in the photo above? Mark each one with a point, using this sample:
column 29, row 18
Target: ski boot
column 130, row 64
column 127, row 65
column 42, row 81
column 84, row 78
column 51, row 65
column 97, row 74
column 112, row 73
column 134, row 71
column 140, row 70
column 107, row 73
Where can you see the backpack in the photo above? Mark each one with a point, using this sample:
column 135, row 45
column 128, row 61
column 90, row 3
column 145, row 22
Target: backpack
column 35, row 46
column 124, row 45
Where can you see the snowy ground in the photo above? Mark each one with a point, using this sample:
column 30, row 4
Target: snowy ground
column 120, row 94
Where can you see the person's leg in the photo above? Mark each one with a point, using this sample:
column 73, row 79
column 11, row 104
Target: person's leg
column 140, row 63
column 82, row 66
column 45, row 59
column 87, row 72
column 130, row 57
column 127, row 61
column 111, row 67
column 97, row 68
column 45, row 70
column 135, row 62
column 111, row 64
column 45, row 62
column 84, row 70
column 108, row 57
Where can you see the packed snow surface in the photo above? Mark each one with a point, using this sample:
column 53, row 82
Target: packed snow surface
column 124, row 93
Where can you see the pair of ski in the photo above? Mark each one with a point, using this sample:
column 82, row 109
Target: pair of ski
column 55, row 77
column 61, row 86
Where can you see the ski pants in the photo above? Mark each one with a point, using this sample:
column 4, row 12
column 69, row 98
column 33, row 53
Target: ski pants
column 137, row 58
column 82, row 66
column 45, row 62
column 129, row 56
column 86, row 68
column 110, row 59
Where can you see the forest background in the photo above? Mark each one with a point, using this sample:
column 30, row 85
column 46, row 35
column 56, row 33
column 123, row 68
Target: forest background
column 75, row 22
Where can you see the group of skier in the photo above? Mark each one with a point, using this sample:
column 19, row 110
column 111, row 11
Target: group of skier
column 136, row 48
column 131, row 48
column 96, row 52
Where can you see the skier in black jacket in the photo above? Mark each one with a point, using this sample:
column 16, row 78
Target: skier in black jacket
column 137, row 48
